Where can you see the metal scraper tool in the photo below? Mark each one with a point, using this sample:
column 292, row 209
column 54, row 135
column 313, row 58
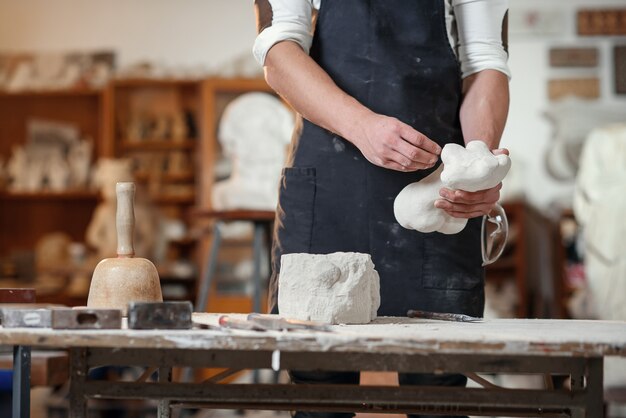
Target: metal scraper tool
column 442, row 316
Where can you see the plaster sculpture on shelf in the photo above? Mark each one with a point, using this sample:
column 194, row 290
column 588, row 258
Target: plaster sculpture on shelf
column 17, row 169
column 470, row 169
column 101, row 230
column 22, row 78
column 572, row 120
column 337, row 288
column 57, row 171
column 79, row 160
column 35, row 175
column 179, row 127
column 254, row 133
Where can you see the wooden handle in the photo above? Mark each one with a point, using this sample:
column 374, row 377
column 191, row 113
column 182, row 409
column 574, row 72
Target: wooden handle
column 125, row 219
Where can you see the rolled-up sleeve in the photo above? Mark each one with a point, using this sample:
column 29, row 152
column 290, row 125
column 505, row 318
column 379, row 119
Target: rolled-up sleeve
column 282, row 20
column 483, row 39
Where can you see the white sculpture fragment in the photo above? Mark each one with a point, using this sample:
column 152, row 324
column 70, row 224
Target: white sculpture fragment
column 470, row 169
column 254, row 133
column 337, row 288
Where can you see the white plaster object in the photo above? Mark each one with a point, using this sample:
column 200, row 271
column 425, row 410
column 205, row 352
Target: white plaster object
column 599, row 206
column 254, row 133
column 79, row 160
column 57, row 171
column 17, row 169
column 337, row 288
column 572, row 120
column 470, row 169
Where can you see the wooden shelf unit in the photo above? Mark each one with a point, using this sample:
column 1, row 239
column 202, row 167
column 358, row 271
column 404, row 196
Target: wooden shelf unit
column 170, row 97
column 27, row 216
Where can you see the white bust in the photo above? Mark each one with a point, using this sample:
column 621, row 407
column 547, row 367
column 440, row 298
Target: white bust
column 254, row 133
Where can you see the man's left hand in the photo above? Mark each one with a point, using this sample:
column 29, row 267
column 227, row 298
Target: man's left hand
column 461, row 204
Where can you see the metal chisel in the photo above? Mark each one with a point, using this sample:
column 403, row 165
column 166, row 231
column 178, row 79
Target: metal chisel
column 442, row 316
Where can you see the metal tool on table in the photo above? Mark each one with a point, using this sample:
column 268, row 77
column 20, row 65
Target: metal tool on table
column 118, row 281
column 85, row 318
column 442, row 316
column 159, row 315
column 25, row 318
column 278, row 323
column 227, row 321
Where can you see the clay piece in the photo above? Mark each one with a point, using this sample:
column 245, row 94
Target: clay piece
column 470, row 169
column 254, row 133
column 337, row 288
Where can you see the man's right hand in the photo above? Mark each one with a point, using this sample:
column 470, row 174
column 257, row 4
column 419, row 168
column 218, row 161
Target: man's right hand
column 389, row 143
column 383, row 140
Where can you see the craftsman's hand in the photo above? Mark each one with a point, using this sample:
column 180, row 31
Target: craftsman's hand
column 390, row 143
column 461, row 204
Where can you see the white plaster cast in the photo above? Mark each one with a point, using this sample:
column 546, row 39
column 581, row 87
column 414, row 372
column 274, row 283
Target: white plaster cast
column 254, row 133
column 414, row 207
column 471, row 169
column 337, row 288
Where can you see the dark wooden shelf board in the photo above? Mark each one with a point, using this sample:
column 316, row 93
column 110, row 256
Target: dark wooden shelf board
column 157, row 145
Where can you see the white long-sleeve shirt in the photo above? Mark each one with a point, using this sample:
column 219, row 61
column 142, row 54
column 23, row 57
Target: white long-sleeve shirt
column 475, row 30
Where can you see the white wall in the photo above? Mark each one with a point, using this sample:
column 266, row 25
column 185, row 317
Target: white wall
column 185, row 32
column 211, row 32
column 528, row 132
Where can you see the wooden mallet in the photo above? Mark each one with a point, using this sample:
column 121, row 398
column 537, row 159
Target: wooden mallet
column 118, row 281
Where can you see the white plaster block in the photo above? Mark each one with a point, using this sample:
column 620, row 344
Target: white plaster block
column 337, row 288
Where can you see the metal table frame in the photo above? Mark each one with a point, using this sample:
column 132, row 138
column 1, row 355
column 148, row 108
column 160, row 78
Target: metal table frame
column 584, row 399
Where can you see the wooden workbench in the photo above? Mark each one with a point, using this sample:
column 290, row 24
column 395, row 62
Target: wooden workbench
column 564, row 347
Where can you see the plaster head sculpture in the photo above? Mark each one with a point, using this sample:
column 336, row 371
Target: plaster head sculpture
column 254, row 133
column 470, row 169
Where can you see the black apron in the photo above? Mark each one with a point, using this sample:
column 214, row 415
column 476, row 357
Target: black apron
column 394, row 57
